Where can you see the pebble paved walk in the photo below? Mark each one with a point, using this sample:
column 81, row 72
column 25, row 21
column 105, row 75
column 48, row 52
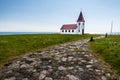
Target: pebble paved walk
column 69, row 61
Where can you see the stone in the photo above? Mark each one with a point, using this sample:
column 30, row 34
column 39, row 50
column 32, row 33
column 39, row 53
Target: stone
column 25, row 79
column 42, row 76
column 72, row 63
column 63, row 59
column 24, row 66
column 97, row 71
column 14, row 66
column 95, row 61
column 9, row 72
column 86, row 55
column 75, row 70
column 70, row 67
column 90, row 69
column 83, row 61
column 31, row 70
column 81, row 69
column 50, row 61
column 44, row 72
column 49, row 67
column 83, row 53
column 103, row 78
column 18, row 62
column 57, row 53
column 79, row 63
column 61, row 68
column 49, row 70
column 12, row 78
column 108, row 74
column 29, row 60
column 74, row 59
column 91, row 62
column 72, row 77
column 70, row 58
column 88, row 66
column 57, row 58
column 36, row 74
column 48, row 78
column 34, row 63
column 76, row 66
column 59, row 74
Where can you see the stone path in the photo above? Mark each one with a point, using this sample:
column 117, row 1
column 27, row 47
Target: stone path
column 70, row 61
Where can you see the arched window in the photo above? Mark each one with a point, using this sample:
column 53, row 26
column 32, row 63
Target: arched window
column 62, row 30
column 79, row 23
column 65, row 30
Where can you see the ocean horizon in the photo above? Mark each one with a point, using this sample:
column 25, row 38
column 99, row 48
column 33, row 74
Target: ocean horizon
column 17, row 33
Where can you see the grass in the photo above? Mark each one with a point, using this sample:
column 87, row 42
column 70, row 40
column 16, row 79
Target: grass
column 16, row 45
column 109, row 50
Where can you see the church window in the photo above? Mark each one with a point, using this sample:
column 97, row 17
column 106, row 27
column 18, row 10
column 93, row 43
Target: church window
column 65, row 30
column 83, row 23
column 62, row 30
column 69, row 30
column 78, row 30
column 72, row 30
column 79, row 23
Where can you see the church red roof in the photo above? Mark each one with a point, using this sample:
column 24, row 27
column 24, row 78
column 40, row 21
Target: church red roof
column 80, row 18
column 69, row 26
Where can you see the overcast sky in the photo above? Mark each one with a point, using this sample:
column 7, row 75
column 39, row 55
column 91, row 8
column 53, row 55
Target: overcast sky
column 50, row 15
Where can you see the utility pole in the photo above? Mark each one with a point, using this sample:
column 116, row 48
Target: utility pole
column 111, row 26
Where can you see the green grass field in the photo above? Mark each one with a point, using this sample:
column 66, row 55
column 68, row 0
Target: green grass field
column 16, row 45
column 109, row 50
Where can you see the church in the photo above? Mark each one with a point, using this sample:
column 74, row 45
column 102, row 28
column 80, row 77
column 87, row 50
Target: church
column 77, row 28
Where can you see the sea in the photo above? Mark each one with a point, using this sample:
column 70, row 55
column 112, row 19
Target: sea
column 18, row 33
column 114, row 33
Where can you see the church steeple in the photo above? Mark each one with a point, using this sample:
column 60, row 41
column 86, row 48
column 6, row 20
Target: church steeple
column 81, row 18
column 80, row 24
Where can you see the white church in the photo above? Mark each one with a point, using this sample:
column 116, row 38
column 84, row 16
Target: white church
column 74, row 28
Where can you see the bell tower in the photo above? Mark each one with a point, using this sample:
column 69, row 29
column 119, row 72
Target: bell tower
column 80, row 24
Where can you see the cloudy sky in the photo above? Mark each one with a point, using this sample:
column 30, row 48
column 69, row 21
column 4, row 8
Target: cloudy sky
column 50, row 15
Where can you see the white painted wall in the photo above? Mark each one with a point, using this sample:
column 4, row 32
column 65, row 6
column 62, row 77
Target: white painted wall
column 75, row 32
column 80, row 27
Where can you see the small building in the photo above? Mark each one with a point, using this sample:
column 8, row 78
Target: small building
column 74, row 28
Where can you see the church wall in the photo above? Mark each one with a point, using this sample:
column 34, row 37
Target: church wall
column 64, row 32
column 80, row 27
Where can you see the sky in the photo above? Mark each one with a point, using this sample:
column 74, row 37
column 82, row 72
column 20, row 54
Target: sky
column 50, row 15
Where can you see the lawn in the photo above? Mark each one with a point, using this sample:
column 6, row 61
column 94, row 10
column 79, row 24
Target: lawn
column 16, row 45
column 109, row 49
